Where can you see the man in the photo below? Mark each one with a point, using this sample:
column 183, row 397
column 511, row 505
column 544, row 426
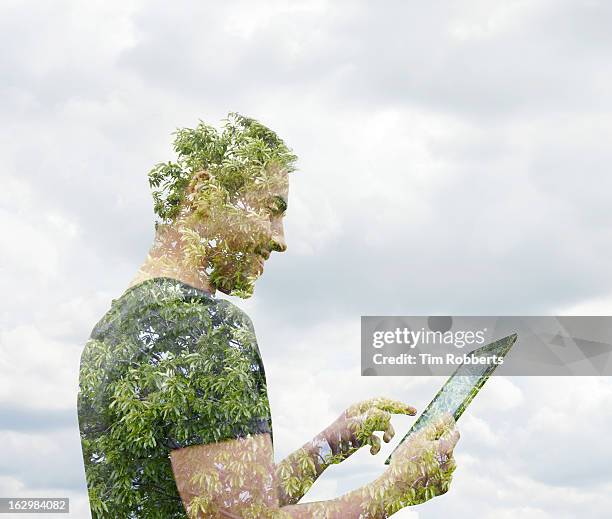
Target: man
column 173, row 407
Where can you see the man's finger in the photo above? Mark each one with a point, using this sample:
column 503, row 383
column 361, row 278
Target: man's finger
column 438, row 427
column 449, row 466
column 374, row 441
column 447, row 442
column 384, row 404
column 379, row 417
column 389, row 434
column 373, row 420
column 395, row 406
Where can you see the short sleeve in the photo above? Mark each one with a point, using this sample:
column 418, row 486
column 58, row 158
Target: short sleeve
column 168, row 367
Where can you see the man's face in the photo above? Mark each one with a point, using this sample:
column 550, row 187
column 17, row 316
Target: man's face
column 265, row 237
column 244, row 234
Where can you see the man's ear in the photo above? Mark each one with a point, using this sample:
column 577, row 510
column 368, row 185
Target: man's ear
column 197, row 180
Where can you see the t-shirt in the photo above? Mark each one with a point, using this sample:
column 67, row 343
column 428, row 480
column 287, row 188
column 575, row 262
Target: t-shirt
column 168, row 366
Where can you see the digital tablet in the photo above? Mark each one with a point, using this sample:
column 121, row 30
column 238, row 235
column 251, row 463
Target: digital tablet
column 463, row 385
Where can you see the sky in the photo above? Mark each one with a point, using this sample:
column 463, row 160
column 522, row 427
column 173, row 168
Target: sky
column 452, row 161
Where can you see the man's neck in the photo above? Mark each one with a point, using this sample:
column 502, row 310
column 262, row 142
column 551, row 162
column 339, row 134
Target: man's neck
column 167, row 259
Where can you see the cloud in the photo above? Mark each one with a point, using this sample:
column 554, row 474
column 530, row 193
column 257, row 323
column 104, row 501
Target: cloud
column 35, row 376
column 34, row 459
column 452, row 161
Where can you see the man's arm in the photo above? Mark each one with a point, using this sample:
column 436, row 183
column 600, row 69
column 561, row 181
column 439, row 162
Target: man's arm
column 353, row 429
column 230, row 477
column 237, row 479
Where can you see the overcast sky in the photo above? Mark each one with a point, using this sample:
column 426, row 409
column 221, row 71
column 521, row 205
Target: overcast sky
column 453, row 159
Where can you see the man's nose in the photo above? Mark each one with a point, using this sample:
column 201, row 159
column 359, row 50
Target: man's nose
column 278, row 237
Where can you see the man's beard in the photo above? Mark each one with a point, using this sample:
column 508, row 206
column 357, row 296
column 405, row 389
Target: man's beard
column 235, row 274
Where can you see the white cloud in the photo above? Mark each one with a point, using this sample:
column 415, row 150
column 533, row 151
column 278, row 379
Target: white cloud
column 38, row 372
column 452, row 160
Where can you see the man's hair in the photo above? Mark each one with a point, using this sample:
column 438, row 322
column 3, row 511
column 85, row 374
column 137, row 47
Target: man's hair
column 243, row 150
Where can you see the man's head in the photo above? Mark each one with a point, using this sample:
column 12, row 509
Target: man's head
column 226, row 196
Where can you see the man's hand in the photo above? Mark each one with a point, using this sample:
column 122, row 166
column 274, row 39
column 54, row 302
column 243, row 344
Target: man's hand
column 353, row 429
column 356, row 426
column 421, row 468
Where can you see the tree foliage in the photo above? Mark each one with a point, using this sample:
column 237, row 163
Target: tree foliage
column 238, row 155
column 167, row 367
column 221, row 196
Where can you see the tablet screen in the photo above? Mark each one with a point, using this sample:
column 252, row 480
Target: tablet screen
column 463, row 385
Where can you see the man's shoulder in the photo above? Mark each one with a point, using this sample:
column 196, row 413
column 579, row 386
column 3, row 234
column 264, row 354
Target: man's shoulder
column 234, row 313
column 156, row 296
column 167, row 304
